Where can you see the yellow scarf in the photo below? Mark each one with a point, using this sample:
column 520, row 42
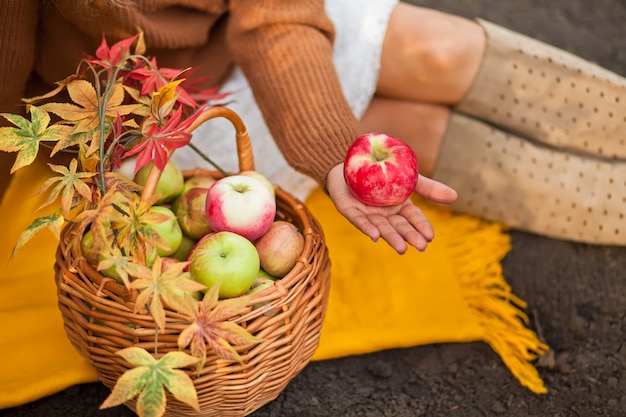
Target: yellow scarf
column 453, row 292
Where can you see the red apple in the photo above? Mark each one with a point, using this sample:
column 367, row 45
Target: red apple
column 256, row 174
column 240, row 204
column 380, row 170
column 191, row 213
column 227, row 259
column 279, row 248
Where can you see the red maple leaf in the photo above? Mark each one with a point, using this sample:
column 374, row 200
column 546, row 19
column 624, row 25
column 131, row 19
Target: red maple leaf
column 110, row 57
column 161, row 140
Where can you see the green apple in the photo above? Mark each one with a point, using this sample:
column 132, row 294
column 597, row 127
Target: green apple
column 184, row 249
column 170, row 183
column 264, row 274
column 89, row 249
column 169, row 230
column 225, row 259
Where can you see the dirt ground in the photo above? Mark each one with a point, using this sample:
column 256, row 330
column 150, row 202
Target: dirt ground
column 576, row 295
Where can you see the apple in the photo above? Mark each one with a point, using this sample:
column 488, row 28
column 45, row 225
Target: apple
column 256, row 174
column 264, row 274
column 191, row 213
column 89, row 249
column 240, row 204
column 170, row 183
column 184, row 249
column 227, row 259
column 279, row 248
column 198, row 181
column 168, row 229
column 259, row 285
column 380, row 170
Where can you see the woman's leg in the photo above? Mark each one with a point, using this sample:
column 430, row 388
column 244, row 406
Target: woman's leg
column 428, row 62
column 429, row 56
column 527, row 182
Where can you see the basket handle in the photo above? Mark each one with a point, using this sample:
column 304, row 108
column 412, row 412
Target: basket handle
column 244, row 145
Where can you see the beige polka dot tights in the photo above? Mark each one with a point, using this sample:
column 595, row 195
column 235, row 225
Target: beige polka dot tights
column 531, row 187
column 539, row 142
column 546, row 94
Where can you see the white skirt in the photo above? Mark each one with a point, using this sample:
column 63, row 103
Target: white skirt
column 360, row 27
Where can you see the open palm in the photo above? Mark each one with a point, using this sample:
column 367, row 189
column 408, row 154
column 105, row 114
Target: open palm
column 398, row 224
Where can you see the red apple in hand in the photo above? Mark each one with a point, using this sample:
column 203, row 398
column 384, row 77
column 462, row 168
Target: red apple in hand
column 279, row 248
column 380, row 170
column 240, row 204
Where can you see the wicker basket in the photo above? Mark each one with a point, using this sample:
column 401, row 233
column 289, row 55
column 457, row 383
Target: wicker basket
column 99, row 319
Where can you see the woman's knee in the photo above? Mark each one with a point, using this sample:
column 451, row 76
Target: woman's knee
column 429, row 55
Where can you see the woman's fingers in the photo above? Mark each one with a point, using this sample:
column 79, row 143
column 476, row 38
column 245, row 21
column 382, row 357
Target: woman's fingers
column 435, row 191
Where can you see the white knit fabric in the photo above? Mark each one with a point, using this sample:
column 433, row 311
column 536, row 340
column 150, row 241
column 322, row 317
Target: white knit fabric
column 360, row 27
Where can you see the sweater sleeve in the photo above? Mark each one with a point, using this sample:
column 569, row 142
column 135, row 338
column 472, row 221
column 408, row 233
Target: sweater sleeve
column 18, row 27
column 284, row 48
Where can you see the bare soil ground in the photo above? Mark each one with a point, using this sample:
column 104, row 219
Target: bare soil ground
column 576, row 295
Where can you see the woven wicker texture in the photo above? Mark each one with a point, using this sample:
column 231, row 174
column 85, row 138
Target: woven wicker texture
column 99, row 319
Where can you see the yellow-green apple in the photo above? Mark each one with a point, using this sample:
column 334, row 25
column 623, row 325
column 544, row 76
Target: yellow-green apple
column 240, row 204
column 264, row 274
column 256, row 174
column 191, row 213
column 380, row 170
column 89, row 248
column 279, row 248
column 170, row 183
column 168, row 229
column 225, row 259
column 184, row 249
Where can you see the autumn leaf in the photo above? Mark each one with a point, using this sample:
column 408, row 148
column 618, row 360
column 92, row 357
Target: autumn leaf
column 163, row 100
column 60, row 86
column 149, row 377
column 160, row 141
column 91, row 137
column 85, row 114
column 102, row 215
column 171, row 286
column 124, row 266
column 121, row 183
column 68, row 184
column 113, row 56
column 54, row 222
column 26, row 137
column 135, row 233
column 211, row 328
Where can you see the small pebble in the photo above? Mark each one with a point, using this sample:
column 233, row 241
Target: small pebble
column 612, row 382
column 498, row 408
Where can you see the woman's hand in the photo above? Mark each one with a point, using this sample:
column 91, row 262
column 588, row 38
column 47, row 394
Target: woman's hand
column 397, row 225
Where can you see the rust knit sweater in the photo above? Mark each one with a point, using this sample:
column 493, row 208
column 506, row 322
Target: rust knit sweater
column 284, row 48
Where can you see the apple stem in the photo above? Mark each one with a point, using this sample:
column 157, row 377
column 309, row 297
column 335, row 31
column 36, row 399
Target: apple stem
column 244, row 146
